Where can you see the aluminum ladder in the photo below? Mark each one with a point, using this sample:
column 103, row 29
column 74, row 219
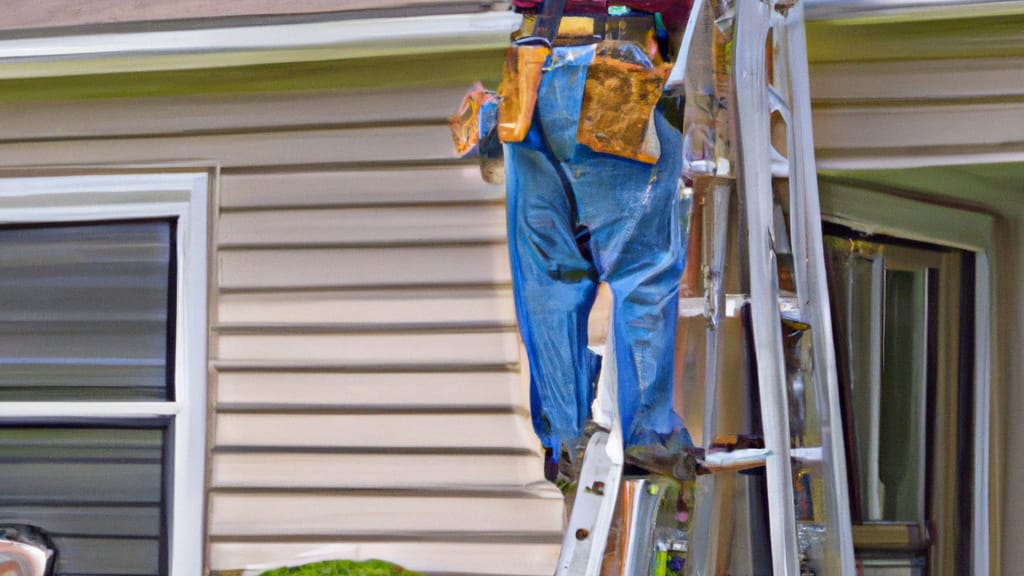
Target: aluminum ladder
column 761, row 86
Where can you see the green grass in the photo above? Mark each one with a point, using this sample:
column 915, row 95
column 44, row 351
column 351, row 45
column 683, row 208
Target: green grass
column 343, row 568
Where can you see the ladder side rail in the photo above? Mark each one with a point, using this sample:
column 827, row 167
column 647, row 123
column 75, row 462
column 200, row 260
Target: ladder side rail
column 814, row 299
column 717, row 223
column 753, row 19
column 703, row 548
column 597, row 490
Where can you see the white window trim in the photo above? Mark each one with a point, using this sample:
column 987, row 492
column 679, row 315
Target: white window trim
column 125, row 196
column 876, row 212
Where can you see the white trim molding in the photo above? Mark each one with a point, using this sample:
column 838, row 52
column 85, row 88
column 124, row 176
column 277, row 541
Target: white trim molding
column 218, row 47
column 876, row 212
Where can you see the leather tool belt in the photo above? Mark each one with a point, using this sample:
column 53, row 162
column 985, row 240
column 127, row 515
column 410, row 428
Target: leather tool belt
column 622, row 89
column 623, row 86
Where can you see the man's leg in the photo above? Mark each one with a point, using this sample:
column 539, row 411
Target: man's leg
column 554, row 287
column 633, row 211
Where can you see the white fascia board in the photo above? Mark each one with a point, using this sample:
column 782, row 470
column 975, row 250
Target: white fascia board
column 905, row 10
column 67, row 55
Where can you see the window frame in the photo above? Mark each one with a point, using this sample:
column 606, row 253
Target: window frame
column 183, row 196
column 869, row 209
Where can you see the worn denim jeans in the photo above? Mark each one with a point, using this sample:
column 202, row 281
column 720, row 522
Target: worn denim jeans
column 577, row 218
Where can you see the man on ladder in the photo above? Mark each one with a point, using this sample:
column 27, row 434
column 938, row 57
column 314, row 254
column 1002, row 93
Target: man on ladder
column 594, row 184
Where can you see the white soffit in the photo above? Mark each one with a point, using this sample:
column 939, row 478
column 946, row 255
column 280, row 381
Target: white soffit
column 67, row 55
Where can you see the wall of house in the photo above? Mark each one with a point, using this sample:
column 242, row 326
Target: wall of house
column 364, row 385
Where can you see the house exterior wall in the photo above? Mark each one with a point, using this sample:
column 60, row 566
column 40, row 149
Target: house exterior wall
column 365, row 399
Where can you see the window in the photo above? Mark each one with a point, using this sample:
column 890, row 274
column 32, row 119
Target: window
column 102, row 368
column 902, row 317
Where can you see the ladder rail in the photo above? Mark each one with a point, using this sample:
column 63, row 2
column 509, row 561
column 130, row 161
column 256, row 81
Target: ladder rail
column 812, row 286
column 753, row 19
column 586, row 535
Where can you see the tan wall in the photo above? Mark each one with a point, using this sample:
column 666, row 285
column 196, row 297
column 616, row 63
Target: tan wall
column 364, row 363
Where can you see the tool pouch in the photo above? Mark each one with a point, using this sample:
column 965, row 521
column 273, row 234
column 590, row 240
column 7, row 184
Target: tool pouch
column 621, row 91
column 476, row 117
column 517, row 94
column 475, row 132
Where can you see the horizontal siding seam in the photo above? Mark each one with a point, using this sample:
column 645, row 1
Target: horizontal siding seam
column 549, row 492
column 375, row 450
column 257, row 246
column 491, row 537
column 483, row 202
column 324, row 410
column 345, row 166
column 235, row 131
column 361, row 410
column 332, row 245
column 343, row 288
column 256, row 328
column 827, row 103
column 307, row 367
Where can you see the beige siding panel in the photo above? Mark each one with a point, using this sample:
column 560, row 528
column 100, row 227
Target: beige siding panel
column 868, row 127
column 330, row 268
column 501, row 431
column 435, row 348
column 377, row 225
column 917, row 79
column 388, row 471
column 369, row 390
column 177, row 115
column 283, row 514
column 432, row 557
column 380, row 307
column 357, row 187
column 405, row 143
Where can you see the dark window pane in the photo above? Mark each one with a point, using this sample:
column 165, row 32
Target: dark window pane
column 902, row 396
column 98, row 494
column 84, row 311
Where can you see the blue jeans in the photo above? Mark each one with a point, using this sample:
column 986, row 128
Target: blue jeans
column 577, row 218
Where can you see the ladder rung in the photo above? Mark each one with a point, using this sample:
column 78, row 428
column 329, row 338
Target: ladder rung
column 694, row 306
column 736, row 459
column 813, row 455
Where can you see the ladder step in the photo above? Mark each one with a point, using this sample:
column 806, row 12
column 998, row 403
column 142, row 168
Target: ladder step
column 736, row 460
column 693, row 307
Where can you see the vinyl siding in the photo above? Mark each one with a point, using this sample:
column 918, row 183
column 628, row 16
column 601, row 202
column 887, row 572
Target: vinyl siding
column 364, row 367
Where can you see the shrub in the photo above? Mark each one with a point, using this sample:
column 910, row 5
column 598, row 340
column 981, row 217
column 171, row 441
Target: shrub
column 344, row 568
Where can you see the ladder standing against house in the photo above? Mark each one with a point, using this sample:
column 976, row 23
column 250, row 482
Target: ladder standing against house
column 766, row 57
